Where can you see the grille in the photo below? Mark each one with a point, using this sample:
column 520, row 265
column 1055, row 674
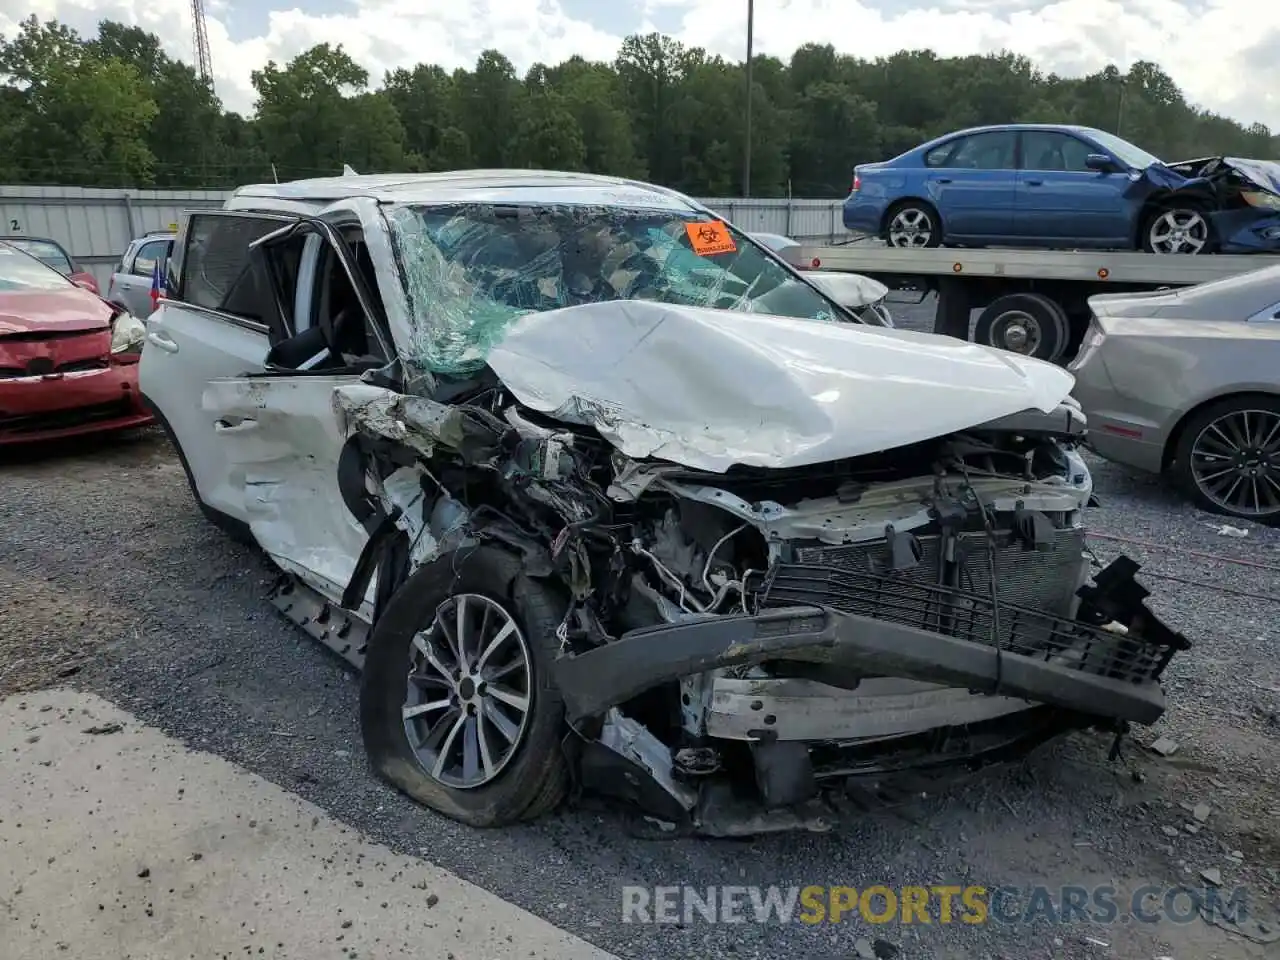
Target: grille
column 42, row 366
column 32, row 422
column 971, row 616
column 1034, row 579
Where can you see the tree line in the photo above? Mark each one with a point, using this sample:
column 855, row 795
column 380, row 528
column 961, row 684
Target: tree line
column 114, row 110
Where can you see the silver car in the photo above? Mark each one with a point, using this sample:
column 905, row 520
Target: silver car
column 132, row 278
column 1188, row 382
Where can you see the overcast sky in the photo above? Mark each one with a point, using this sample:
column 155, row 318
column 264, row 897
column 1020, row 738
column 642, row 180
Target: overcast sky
column 1225, row 54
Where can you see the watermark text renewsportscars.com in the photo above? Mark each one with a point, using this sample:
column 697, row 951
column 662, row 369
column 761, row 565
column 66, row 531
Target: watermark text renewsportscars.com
column 937, row 904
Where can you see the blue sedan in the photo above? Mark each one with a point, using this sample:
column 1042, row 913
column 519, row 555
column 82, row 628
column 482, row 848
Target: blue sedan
column 1055, row 186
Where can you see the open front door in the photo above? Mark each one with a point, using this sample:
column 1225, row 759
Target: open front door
column 278, row 430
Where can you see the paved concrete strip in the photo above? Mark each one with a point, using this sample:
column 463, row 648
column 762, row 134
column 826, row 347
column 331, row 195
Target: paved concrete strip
column 127, row 845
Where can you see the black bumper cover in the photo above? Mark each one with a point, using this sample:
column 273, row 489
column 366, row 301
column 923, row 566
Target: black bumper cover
column 593, row 681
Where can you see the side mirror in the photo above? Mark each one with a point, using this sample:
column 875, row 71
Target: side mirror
column 86, row 281
column 1101, row 163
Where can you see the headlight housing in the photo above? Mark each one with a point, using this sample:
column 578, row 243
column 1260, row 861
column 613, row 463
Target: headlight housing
column 127, row 334
column 1258, row 198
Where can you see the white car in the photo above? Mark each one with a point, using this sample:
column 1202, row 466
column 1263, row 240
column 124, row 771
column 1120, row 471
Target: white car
column 593, row 488
column 865, row 296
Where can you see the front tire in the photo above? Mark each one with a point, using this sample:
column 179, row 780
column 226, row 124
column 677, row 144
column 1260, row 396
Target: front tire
column 458, row 709
column 1177, row 229
column 912, row 223
column 1227, row 459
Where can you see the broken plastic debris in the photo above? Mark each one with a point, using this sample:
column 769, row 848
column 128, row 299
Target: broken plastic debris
column 1226, row 530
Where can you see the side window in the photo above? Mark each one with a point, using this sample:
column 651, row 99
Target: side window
column 1050, row 150
column 215, row 270
column 1267, row 315
column 937, row 157
column 144, row 262
column 985, row 151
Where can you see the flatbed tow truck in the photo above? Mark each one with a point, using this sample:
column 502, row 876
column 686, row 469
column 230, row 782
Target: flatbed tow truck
column 1033, row 302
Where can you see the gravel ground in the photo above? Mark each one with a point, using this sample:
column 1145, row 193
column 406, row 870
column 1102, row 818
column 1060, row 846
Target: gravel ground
column 111, row 579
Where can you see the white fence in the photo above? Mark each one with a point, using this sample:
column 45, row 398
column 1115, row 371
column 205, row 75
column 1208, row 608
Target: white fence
column 95, row 225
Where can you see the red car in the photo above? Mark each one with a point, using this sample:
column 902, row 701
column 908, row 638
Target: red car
column 68, row 359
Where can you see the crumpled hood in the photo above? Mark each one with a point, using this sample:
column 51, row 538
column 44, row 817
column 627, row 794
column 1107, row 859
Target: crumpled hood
column 1265, row 174
column 65, row 310
column 708, row 389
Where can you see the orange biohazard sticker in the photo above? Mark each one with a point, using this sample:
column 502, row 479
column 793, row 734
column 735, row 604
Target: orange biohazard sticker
column 709, row 239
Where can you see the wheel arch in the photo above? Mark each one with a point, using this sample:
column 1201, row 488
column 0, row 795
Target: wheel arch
column 1174, row 437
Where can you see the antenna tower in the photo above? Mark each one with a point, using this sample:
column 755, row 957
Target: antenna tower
column 200, row 42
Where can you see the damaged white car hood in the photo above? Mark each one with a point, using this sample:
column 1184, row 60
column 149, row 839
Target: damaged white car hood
column 708, row 389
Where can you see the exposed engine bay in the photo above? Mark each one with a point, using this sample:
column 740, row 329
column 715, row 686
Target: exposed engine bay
column 758, row 649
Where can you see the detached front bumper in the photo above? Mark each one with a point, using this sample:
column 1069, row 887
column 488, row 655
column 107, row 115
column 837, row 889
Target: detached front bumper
column 1075, row 665
column 60, row 405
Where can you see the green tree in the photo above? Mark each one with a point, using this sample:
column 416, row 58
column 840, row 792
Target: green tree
column 78, row 116
column 116, row 109
column 315, row 114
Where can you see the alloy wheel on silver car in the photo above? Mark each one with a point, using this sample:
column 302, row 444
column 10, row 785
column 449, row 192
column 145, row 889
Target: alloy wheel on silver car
column 469, row 692
column 910, row 227
column 1178, row 231
column 1235, row 462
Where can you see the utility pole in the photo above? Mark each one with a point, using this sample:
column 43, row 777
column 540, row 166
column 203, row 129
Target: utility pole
column 746, row 149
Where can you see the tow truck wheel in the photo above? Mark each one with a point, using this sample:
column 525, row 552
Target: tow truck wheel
column 1027, row 323
column 457, row 705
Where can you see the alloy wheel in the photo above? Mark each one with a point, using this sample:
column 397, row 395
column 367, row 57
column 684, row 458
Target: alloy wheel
column 1178, row 231
column 469, row 692
column 910, row 227
column 1235, row 462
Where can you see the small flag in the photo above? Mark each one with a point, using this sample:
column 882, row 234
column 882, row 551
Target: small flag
column 157, row 285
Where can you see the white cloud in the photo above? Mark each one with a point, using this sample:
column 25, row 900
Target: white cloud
column 1225, row 54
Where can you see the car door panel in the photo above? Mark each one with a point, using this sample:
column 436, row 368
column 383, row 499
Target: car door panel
column 974, row 191
column 1061, row 202
column 186, row 348
column 278, row 431
column 281, row 439
column 190, row 343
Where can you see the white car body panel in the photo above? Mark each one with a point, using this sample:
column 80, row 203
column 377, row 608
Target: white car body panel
column 712, row 388
column 186, row 348
column 280, row 439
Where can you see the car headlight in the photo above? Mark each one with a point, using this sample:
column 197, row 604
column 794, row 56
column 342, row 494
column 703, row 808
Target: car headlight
column 1257, row 198
column 127, row 334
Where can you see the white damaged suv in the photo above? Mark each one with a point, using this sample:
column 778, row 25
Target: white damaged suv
column 594, row 489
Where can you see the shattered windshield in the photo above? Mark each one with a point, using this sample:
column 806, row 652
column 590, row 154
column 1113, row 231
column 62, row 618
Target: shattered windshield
column 469, row 271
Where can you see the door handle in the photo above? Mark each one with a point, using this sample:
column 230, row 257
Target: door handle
column 942, row 180
column 163, row 341
column 1033, row 183
column 240, row 426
